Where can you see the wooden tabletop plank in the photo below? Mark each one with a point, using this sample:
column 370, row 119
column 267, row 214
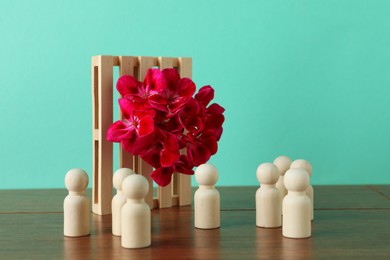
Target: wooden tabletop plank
column 383, row 190
column 232, row 198
column 336, row 233
column 348, row 197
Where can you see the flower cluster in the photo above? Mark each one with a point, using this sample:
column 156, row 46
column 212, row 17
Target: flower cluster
column 166, row 124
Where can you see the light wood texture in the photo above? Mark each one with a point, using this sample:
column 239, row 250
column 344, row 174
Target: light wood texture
column 128, row 65
column 102, row 99
column 354, row 226
column 268, row 202
column 119, row 199
column 184, row 181
column 135, row 214
column 207, row 200
column 102, row 93
column 76, row 204
column 297, row 206
column 283, row 163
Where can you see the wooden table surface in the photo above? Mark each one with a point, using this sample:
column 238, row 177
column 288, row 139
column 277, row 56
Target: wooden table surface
column 350, row 222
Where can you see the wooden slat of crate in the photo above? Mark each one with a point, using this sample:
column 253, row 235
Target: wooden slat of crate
column 128, row 65
column 184, row 181
column 102, row 149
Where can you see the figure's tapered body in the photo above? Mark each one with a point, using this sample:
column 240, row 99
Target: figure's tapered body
column 136, row 225
column 207, row 208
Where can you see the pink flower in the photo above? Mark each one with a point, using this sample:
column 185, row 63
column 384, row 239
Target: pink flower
column 165, row 125
column 149, row 94
column 179, row 90
column 135, row 124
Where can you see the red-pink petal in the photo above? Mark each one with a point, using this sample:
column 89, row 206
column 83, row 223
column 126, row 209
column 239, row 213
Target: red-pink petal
column 168, row 158
column 186, row 87
column 172, row 77
column 128, row 144
column 198, row 153
column 205, row 95
column 118, row 131
column 215, row 109
column 127, row 85
column 162, row 176
column 211, row 143
column 184, row 165
column 155, row 80
column 214, row 121
column 145, row 126
column 158, row 102
column 126, row 107
column 170, row 152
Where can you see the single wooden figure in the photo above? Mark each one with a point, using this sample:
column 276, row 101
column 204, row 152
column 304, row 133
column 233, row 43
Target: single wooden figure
column 296, row 205
column 76, row 204
column 118, row 200
column 135, row 217
column 268, row 203
column 283, row 163
column 207, row 198
column 300, row 163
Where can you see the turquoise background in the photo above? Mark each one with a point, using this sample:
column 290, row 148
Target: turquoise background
column 309, row 79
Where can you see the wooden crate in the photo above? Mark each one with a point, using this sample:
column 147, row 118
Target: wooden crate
column 178, row 193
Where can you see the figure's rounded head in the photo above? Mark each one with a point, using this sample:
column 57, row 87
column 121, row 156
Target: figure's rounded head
column 267, row 173
column 135, row 186
column 119, row 176
column 76, row 180
column 303, row 164
column 296, row 179
column 206, row 174
column 283, row 163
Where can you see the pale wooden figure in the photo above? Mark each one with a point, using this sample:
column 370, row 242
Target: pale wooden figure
column 118, row 200
column 76, row 204
column 268, row 203
column 296, row 205
column 300, row 163
column 135, row 217
column 283, row 163
column 207, row 198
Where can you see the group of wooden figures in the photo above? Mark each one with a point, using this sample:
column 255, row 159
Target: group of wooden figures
column 285, row 197
column 131, row 218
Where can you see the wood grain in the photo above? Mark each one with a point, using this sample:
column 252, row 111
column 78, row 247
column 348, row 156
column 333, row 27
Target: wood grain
column 340, row 233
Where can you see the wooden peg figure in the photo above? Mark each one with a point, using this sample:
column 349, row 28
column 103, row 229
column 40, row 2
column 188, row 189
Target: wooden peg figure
column 296, row 205
column 118, row 200
column 283, row 163
column 135, row 217
column 303, row 164
column 268, row 203
column 207, row 198
column 76, row 204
